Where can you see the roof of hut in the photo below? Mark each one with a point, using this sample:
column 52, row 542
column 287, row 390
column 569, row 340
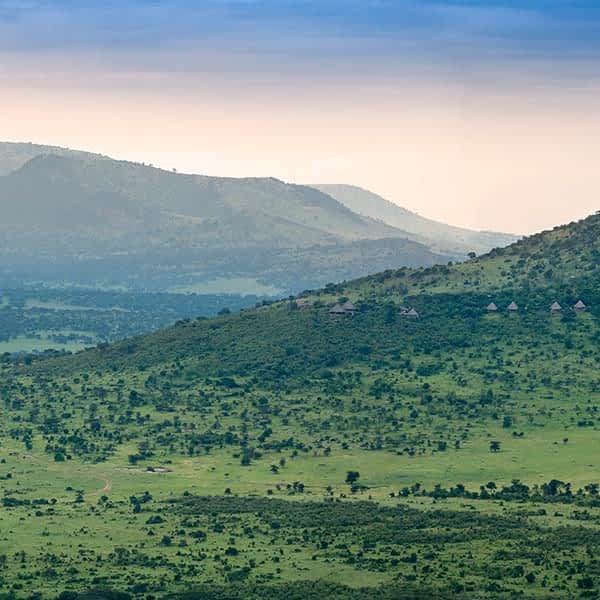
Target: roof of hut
column 580, row 305
column 338, row 309
column 492, row 306
column 348, row 306
column 556, row 306
column 513, row 306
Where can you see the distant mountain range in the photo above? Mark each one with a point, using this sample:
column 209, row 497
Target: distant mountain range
column 439, row 236
column 76, row 217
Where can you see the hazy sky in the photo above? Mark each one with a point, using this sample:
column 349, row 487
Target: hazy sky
column 479, row 113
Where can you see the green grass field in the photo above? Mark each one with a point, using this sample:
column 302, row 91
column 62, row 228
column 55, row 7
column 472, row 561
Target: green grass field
column 96, row 532
column 34, row 344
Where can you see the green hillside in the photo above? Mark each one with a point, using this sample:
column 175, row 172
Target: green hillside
column 564, row 260
column 562, row 264
column 286, row 452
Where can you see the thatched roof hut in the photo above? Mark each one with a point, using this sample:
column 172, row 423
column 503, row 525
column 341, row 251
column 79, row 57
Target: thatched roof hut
column 337, row 311
column 349, row 307
column 513, row 307
column 555, row 307
column 412, row 313
column 492, row 307
column 580, row 305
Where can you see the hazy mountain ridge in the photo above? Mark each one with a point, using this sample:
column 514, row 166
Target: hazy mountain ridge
column 80, row 187
column 78, row 211
column 442, row 237
column 13, row 155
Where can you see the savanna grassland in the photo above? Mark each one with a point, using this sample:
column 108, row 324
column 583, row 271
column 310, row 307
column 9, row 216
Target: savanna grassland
column 283, row 452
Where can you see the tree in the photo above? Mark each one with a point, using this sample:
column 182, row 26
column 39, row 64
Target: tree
column 390, row 313
column 530, row 577
column 247, row 455
column 494, row 446
column 352, row 477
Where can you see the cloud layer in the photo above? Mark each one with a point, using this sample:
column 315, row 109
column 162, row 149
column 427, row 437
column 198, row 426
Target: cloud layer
column 428, row 30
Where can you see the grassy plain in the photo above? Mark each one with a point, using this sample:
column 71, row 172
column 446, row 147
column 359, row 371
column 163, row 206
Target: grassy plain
column 22, row 343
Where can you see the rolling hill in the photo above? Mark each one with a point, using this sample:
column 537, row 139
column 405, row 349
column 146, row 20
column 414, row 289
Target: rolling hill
column 68, row 215
column 72, row 193
column 287, row 452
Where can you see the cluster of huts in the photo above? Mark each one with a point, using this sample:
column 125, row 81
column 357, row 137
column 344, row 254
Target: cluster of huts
column 343, row 310
column 555, row 307
column 348, row 309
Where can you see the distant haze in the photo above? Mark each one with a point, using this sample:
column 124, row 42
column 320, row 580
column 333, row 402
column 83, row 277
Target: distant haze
column 482, row 115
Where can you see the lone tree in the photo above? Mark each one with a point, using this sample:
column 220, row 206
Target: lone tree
column 352, row 477
column 494, row 446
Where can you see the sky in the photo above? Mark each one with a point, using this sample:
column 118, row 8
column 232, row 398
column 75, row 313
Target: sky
column 478, row 113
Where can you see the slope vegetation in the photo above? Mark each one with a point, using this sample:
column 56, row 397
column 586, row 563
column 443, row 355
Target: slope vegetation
column 287, row 452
